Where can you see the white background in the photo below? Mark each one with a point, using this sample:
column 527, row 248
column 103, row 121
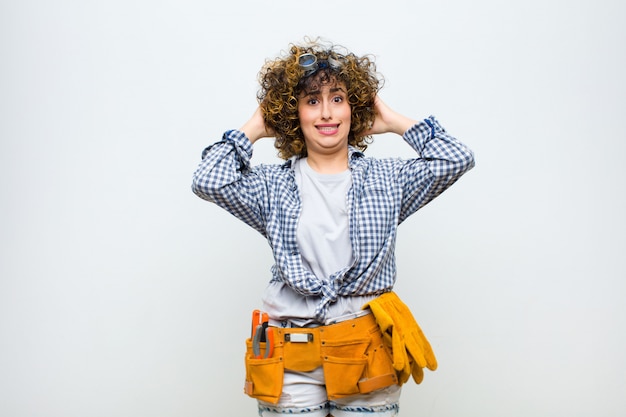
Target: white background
column 123, row 294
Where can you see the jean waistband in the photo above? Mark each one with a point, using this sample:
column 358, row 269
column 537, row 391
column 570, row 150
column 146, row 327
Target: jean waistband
column 288, row 324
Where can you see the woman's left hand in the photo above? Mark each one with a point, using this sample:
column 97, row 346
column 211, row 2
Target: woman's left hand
column 388, row 120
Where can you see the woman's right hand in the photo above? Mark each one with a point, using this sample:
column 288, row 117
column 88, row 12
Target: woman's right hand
column 255, row 127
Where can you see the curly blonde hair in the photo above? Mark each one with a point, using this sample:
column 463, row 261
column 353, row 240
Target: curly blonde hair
column 283, row 80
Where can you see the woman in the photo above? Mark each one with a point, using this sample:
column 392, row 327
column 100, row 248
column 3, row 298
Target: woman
column 336, row 331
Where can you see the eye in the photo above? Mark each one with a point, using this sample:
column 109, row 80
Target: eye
column 337, row 99
column 312, row 101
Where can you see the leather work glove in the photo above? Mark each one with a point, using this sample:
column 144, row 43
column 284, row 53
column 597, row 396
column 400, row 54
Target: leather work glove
column 410, row 349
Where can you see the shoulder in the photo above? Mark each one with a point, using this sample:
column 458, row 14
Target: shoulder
column 382, row 165
column 275, row 171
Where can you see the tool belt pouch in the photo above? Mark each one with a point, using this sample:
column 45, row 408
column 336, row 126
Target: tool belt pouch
column 358, row 364
column 379, row 372
column 344, row 363
column 264, row 376
column 301, row 347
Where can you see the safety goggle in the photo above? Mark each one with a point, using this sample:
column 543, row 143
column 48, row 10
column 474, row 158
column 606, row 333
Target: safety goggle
column 309, row 63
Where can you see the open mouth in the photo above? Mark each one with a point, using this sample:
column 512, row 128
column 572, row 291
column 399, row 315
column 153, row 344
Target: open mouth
column 327, row 129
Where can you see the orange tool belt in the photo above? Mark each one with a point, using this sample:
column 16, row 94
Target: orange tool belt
column 352, row 353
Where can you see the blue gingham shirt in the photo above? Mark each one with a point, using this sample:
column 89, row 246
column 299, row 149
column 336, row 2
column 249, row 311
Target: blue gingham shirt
column 384, row 193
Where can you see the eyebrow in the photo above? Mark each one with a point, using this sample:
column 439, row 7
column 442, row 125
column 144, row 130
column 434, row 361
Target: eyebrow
column 332, row 90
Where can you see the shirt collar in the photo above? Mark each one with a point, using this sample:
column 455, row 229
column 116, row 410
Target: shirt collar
column 354, row 154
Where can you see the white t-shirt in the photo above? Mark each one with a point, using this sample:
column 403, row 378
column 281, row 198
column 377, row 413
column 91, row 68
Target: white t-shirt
column 323, row 237
column 323, row 233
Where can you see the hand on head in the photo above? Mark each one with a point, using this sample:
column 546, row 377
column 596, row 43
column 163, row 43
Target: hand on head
column 388, row 120
column 255, row 128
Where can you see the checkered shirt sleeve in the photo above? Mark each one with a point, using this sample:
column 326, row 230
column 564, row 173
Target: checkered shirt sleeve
column 220, row 179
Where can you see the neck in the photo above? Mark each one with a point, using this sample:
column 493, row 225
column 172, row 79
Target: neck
column 328, row 164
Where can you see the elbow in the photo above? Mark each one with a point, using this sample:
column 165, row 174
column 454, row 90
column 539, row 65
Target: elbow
column 468, row 162
column 464, row 159
column 202, row 188
column 195, row 188
column 461, row 164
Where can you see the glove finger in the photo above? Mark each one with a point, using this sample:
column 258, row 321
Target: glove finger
column 399, row 354
column 416, row 355
column 421, row 351
column 383, row 319
column 418, row 374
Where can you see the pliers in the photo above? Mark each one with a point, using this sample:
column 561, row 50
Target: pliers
column 261, row 333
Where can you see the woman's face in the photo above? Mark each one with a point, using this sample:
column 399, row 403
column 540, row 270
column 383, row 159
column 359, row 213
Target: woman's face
column 325, row 117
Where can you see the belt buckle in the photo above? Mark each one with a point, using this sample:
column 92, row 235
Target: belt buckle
column 298, row 337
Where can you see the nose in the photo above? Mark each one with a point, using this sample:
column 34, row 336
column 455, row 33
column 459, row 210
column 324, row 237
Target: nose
column 326, row 113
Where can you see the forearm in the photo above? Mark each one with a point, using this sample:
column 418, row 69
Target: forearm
column 433, row 142
column 399, row 124
column 442, row 161
column 253, row 132
column 388, row 120
column 255, row 127
column 221, row 164
column 225, row 177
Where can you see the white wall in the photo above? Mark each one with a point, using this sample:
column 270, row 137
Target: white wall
column 122, row 294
